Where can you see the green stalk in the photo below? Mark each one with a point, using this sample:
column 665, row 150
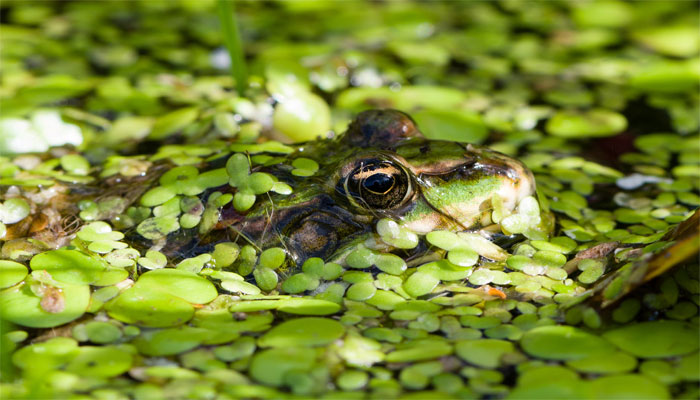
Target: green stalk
column 232, row 38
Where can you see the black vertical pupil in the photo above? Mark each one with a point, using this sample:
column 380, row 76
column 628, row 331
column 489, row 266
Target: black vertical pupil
column 379, row 183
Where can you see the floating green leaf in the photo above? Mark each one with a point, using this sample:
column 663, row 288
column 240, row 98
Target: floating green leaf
column 302, row 332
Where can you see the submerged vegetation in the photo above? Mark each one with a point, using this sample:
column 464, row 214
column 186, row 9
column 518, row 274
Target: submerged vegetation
column 134, row 165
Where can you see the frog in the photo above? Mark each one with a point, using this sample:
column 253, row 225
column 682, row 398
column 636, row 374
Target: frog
column 381, row 167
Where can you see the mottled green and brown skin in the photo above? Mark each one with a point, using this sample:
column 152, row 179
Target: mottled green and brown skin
column 381, row 167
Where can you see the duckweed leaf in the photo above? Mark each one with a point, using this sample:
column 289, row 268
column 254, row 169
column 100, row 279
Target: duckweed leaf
column 272, row 258
column 361, row 291
column 11, row 273
column 164, row 342
column 483, row 246
column 236, row 286
column 634, row 386
column 270, row 366
column 420, row 350
column 665, row 77
column 302, row 116
column 304, row 306
column 182, row 283
column 547, row 380
column 420, row 283
column 485, row 353
column 445, row 270
column 267, row 147
column 194, row 264
column 605, row 363
column 102, row 332
column 390, row 263
column 563, row 343
column 655, row 338
column 158, row 227
column 248, row 185
column 100, row 362
column 395, row 235
column 451, row 125
column 53, row 353
column 674, row 40
column 20, row 305
column 352, row 380
column 13, row 210
column 265, row 278
column 463, row 257
column 157, row 195
column 173, row 122
column 151, row 308
column 153, row 260
column 75, row 164
column 225, row 254
column 69, row 266
column 304, row 167
column 594, row 123
column 297, row 283
column 302, row 332
column 122, row 258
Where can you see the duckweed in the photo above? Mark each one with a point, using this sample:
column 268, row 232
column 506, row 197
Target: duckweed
column 41, row 306
column 13, row 210
column 11, row 273
column 655, row 342
column 563, row 343
column 143, row 307
column 135, row 261
column 69, row 266
column 248, row 185
column 302, row 332
column 486, row 353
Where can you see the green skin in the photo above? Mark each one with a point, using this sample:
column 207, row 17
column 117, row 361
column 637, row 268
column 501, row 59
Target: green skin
column 382, row 167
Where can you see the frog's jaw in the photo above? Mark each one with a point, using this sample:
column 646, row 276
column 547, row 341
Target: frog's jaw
column 517, row 180
column 462, row 199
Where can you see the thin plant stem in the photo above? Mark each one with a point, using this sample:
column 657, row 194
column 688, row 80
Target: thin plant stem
column 232, row 39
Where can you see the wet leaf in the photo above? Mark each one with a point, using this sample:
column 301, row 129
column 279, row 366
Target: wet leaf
column 11, row 273
column 19, row 304
column 302, row 332
column 594, row 123
column 660, row 339
column 563, row 343
column 173, row 122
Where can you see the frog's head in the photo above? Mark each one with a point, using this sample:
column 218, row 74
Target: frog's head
column 428, row 184
column 383, row 167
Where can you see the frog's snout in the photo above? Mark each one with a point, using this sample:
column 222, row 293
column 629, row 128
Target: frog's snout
column 463, row 197
column 516, row 180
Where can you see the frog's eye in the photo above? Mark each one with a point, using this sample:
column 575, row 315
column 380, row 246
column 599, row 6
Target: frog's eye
column 378, row 184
